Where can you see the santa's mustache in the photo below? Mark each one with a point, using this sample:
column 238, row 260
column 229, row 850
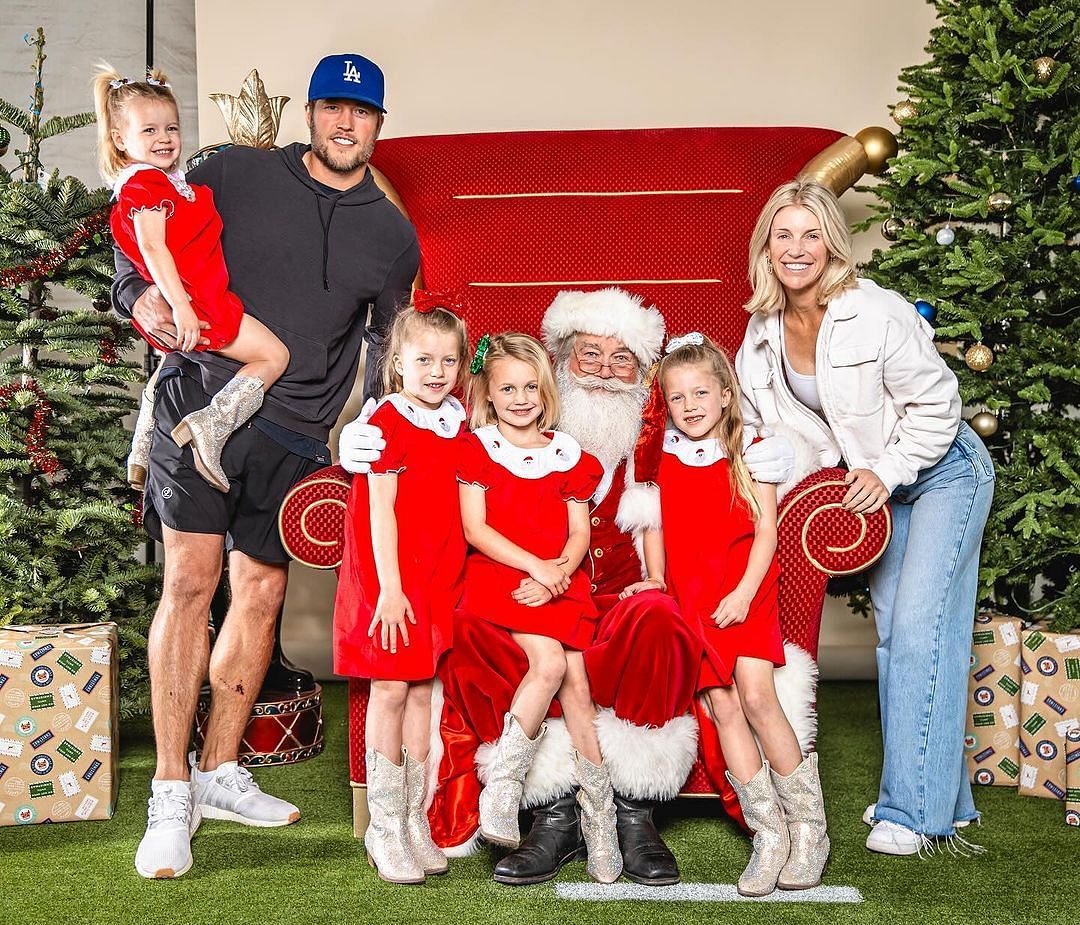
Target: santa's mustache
column 608, row 385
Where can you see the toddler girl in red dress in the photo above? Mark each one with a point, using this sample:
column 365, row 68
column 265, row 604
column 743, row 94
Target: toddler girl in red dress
column 715, row 552
column 171, row 232
column 525, row 492
column 401, row 579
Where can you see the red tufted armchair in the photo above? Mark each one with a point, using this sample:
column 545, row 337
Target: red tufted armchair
column 510, row 219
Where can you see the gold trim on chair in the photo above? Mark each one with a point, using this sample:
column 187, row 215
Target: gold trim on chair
column 598, row 193
column 597, row 282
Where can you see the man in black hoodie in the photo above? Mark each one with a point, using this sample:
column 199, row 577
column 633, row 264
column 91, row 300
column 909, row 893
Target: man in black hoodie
column 318, row 254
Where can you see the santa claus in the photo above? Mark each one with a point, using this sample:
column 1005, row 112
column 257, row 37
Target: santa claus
column 644, row 661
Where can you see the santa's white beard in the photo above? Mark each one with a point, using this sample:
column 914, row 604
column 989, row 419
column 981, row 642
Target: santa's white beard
column 605, row 419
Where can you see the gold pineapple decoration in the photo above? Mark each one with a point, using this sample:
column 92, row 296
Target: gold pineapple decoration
column 252, row 118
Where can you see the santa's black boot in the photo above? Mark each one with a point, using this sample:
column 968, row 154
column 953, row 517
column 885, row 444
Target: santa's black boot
column 646, row 859
column 554, row 840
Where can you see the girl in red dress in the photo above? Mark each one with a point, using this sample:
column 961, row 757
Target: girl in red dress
column 715, row 552
column 171, row 232
column 525, row 493
column 401, row 579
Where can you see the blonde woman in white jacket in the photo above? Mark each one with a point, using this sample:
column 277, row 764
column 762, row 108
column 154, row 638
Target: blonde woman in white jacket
column 850, row 371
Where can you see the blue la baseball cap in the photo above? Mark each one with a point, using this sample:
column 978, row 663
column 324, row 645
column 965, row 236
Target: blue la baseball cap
column 347, row 77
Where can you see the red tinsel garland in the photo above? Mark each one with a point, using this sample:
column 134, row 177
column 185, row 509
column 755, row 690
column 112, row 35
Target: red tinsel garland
column 41, row 457
column 47, row 264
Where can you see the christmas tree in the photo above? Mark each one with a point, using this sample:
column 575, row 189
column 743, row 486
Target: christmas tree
column 68, row 531
column 983, row 203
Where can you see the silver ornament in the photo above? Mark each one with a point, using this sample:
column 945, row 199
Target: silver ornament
column 945, row 236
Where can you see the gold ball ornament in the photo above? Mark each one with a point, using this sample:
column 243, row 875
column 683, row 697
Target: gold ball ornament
column 999, row 202
column 879, row 144
column 984, row 424
column 904, row 111
column 1044, row 68
column 891, row 228
column 979, row 357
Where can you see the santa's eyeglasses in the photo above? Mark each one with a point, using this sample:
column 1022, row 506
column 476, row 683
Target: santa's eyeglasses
column 589, row 361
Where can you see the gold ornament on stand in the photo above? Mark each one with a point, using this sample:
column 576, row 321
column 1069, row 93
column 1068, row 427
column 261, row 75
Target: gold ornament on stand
column 979, row 357
column 1044, row 68
column 252, row 118
column 904, row 111
column 999, row 202
column 985, row 424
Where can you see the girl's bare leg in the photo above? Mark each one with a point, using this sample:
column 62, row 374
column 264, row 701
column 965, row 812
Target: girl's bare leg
column 258, row 348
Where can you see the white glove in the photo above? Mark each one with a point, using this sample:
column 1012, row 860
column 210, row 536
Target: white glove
column 771, row 459
column 360, row 443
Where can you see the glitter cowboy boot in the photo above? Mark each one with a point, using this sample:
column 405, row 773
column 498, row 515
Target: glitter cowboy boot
column 139, row 458
column 804, row 809
column 208, row 428
column 417, row 827
column 386, row 842
column 598, row 821
column 500, row 800
column 765, row 819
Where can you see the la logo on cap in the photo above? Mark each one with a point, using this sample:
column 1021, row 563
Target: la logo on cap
column 351, row 73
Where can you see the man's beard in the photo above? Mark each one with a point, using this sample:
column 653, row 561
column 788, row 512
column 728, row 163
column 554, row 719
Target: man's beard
column 603, row 415
column 340, row 160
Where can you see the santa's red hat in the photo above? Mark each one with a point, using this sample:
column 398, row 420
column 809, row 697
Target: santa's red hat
column 609, row 312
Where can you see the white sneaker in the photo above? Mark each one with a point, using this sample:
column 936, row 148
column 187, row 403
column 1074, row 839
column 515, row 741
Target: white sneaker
column 891, row 838
column 230, row 793
column 869, row 812
column 172, row 818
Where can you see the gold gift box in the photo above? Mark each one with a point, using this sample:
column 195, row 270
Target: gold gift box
column 58, row 723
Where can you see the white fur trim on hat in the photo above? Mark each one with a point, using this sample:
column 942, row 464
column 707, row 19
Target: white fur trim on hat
column 552, row 773
column 639, row 506
column 646, row 763
column 608, row 312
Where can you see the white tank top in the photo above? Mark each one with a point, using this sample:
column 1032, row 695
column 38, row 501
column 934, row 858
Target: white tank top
column 804, row 387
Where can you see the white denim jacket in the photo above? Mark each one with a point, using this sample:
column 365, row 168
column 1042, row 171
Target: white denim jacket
column 892, row 404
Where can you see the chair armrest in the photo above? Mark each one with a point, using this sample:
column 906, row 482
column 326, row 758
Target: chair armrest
column 311, row 520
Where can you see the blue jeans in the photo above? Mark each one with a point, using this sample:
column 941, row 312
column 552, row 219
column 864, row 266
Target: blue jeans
column 923, row 591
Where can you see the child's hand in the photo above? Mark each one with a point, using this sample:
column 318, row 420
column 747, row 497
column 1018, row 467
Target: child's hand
column 531, row 593
column 188, row 328
column 649, row 584
column 732, row 609
column 550, row 574
column 392, row 611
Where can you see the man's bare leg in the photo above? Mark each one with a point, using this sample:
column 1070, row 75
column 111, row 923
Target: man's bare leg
column 179, row 643
column 241, row 653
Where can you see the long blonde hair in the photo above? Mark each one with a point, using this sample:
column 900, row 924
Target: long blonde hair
column 514, row 346
column 406, row 323
column 839, row 274
column 112, row 93
column 730, row 426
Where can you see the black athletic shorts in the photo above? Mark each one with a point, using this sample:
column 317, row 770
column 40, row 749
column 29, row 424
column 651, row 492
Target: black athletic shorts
column 261, row 471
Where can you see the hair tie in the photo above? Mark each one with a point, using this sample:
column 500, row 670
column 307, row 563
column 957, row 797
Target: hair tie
column 154, row 82
column 692, row 339
column 425, row 301
column 477, row 363
column 117, row 82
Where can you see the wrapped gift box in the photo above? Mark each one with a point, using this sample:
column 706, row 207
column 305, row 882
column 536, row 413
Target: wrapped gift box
column 991, row 739
column 1072, row 777
column 58, row 723
column 1049, row 709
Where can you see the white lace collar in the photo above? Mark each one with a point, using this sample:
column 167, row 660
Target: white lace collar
column 561, row 455
column 176, row 178
column 444, row 421
column 692, row 452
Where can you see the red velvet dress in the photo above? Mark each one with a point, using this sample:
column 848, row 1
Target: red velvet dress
column 708, row 532
column 526, row 495
column 422, row 448
column 193, row 236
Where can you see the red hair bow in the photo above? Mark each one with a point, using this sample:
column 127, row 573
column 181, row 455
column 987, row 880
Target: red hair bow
column 424, row 301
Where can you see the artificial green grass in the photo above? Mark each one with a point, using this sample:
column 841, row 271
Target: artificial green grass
column 315, row 871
